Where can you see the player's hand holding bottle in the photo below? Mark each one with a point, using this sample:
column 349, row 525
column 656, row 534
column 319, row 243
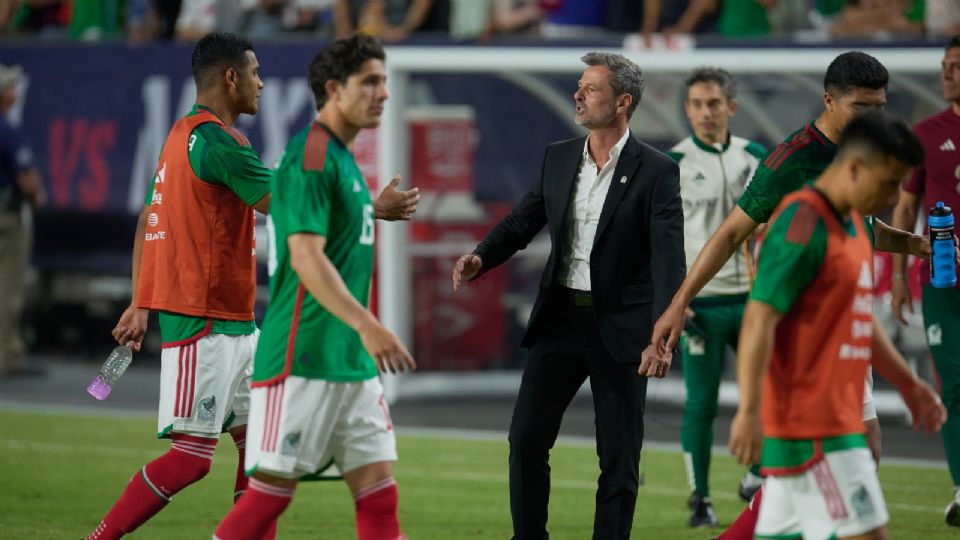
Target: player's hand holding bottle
column 131, row 327
column 385, row 348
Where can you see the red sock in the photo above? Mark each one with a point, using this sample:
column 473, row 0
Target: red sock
column 240, row 484
column 187, row 461
column 271, row 533
column 743, row 527
column 377, row 511
column 255, row 513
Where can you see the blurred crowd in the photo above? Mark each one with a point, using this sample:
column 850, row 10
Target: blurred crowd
column 142, row 21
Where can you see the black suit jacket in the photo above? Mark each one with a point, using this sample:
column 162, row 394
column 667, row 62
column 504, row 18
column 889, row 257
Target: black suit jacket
column 637, row 262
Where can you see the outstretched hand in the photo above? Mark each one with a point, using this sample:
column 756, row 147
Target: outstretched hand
column 466, row 268
column 393, row 205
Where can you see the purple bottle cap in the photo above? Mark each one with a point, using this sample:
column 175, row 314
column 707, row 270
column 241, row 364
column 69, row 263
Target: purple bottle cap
column 98, row 389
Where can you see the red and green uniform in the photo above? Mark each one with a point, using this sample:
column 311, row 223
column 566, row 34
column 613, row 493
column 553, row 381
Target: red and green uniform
column 799, row 160
column 200, row 273
column 317, row 189
column 939, row 180
column 815, row 268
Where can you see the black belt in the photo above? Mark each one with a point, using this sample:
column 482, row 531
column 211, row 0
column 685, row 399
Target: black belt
column 577, row 297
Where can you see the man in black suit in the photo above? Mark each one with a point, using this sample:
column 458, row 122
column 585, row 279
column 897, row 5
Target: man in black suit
column 612, row 206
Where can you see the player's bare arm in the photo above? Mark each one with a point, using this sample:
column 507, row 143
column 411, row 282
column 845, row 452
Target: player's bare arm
column 925, row 407
column 263, row 205
column 734, row 230
column 466, row 268
column 904, row 217
column 132, row 325
column 753, row 358
column 322, row 280
column 394, row 205
column 897, row 240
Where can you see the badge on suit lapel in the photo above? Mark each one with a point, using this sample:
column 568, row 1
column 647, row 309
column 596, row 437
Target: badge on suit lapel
column 623, row 179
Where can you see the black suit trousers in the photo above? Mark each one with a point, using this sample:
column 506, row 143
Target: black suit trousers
column 566, row 350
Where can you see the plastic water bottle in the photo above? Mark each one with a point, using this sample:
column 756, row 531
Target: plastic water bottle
column 111, row 370
column 943, row 269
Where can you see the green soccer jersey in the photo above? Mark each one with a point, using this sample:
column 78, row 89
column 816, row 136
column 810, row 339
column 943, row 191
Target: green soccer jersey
column 218, row 157
column 791, row 255
column 317, row 189
column 798, row 160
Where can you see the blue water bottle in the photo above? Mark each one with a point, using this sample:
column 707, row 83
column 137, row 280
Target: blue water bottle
column 943, row 269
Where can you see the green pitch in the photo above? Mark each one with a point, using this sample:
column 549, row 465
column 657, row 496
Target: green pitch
column 61, row 473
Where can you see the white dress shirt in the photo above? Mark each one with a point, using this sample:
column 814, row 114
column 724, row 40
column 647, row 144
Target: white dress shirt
column 583, row 215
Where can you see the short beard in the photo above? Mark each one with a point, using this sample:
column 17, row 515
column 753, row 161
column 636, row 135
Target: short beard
column 604, row 120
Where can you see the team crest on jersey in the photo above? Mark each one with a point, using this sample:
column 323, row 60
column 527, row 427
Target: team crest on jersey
column 866, row 277
column 207, row 409
column 291, row 444
column 356, row 186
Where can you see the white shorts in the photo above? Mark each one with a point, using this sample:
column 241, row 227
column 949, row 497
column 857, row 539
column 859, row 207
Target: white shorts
column 205, row 385
column 869, row 409
column 300, row 427
column 839, row 496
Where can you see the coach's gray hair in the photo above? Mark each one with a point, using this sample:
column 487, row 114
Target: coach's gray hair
column 626, row 77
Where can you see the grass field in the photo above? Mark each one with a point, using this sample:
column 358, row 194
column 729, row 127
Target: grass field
column 61, row 473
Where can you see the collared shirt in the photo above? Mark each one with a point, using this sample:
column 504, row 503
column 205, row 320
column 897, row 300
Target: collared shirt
column 583, row 215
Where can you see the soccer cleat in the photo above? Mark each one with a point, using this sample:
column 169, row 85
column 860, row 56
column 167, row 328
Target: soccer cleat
column 749, row 485
column 701, row 511
column 952, row 513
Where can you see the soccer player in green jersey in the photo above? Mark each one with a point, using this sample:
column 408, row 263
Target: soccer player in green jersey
column 316, row 397
column 808, row 338
column 854, row 82
column 193, row 262
column 206, row 358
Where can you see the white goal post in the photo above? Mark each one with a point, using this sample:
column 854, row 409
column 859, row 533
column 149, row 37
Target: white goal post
column 395, row 287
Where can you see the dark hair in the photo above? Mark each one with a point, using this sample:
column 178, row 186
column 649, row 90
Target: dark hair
column 215, row 53
column 855, row 69
column 882, row 134
column 626, row 77
column 340, row 59
column 954, row 42
column 718, row 76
